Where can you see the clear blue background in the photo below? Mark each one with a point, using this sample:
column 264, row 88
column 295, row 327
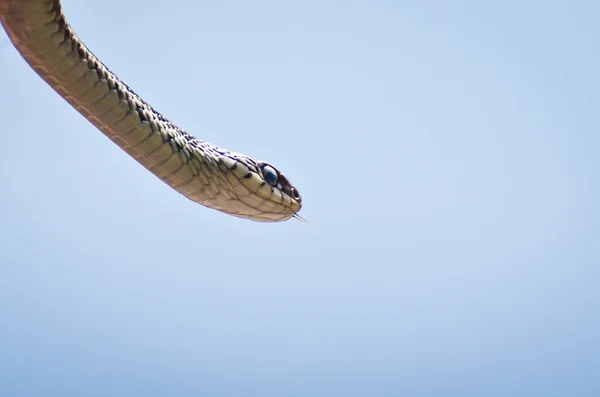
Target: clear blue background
column 447, row 153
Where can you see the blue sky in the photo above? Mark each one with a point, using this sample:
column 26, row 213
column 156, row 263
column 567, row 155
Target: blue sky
column 447, row 154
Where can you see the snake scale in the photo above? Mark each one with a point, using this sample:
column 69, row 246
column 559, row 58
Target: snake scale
column 214, row 177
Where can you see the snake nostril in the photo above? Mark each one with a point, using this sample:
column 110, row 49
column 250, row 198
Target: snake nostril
column 296, row 195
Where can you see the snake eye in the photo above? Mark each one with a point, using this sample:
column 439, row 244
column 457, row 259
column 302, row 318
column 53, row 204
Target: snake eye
column 270, row 175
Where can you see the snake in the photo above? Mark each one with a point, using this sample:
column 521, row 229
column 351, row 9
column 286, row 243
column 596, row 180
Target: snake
column 214, row 177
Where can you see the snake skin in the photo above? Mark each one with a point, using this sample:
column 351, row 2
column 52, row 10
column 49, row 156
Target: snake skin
column 214, row 177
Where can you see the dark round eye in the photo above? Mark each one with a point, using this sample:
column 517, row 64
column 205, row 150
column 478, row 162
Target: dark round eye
column 270, row 175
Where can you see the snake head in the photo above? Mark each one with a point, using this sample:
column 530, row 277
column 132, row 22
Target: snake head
column 276, row 179
column 261, row 192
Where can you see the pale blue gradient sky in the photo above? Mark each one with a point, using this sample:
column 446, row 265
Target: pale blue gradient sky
column 447, row 153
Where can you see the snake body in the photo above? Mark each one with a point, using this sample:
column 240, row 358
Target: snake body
column 214, row 177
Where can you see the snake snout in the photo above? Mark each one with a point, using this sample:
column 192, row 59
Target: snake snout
column 295, row 195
